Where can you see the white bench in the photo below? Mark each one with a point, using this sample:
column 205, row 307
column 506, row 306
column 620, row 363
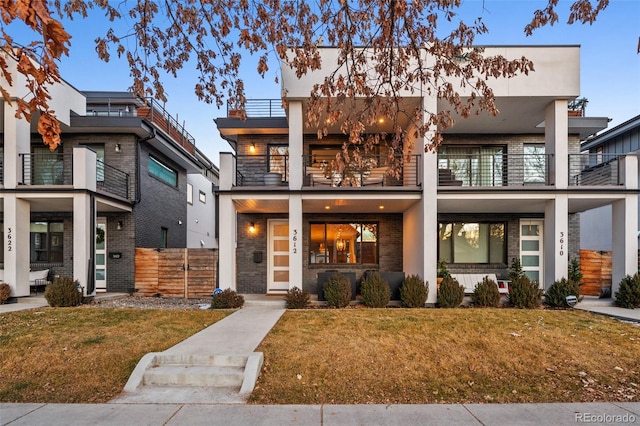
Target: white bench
column 38, row 279
column 469, row 282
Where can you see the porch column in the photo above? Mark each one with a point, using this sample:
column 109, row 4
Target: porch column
column 429, row 205
column 296, row 246
column 296, row 145
column 624, row 241
column 227, row 247
column 17, row 213
column 83, row 219
column 17, row 140
column 556, row 239
column 556, row 136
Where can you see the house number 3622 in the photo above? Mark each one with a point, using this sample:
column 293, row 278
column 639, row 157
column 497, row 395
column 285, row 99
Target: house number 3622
column 9, row 239
column 561, row 241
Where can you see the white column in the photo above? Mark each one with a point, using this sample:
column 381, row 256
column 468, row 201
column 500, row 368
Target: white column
column 556, row 239
column 227, row 171
column 17, row 140
column 227, row 245
column 556, row 135
column 430, row 208
column 295, row 241
column 84, row 168
column 82, row 235
column 17, row 214
column 296, row 142
column 624, row 244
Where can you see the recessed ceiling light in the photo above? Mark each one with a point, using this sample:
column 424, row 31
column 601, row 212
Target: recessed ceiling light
column 381, row 207
column 381, row 120
column 327, row 207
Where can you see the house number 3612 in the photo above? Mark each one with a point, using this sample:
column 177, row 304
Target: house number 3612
column 9, row 239
column 294, row 240
column 561, row 241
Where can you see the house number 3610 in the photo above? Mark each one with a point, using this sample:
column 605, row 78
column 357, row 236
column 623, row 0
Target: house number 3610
column 561, row 243
column 9, row 239
column 294, row 240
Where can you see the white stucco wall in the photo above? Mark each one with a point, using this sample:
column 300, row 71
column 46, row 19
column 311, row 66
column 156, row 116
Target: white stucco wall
column 201, row 217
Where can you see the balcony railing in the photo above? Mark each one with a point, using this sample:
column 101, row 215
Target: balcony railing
column 251, row 169
column 47, row 169
column 376, row 170
column 259, row 108
column 155, row 113
column 493, row 170
column 112, row 180
column 594, row 169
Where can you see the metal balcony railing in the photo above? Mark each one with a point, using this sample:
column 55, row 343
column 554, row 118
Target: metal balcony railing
column 112, row 180
column 376, row 170
column 47, row 169
column 251, row 169
column 493, row 170
column 259, row 108
column 594, row 169
column 156, row 113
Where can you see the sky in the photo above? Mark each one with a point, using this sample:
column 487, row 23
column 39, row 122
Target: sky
column 610, row 64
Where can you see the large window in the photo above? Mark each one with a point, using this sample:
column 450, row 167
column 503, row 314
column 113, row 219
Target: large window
column 474, row 166
column 278, row 160
column 163, row 172
column 464, row 242
column 535, row 164
column 343, row 243
column 46, row 241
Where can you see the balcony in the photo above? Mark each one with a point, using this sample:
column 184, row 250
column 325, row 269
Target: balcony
column 493, row 170
column 595, row 169
column 252, row 169
column 259, row 108
column 156, row 114
column 52, row 169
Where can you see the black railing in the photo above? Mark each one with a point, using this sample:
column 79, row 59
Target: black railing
column 594, row 169
column 373, row 170
column 112, row 180
column 259, row 108
column 47, row 169
column 261, row 170
column 493, row 170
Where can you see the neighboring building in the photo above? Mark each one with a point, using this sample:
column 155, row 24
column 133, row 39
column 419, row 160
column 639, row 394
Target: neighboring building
column 499, row 188
column 201, row 205
column 117, row 181
column 607, row 151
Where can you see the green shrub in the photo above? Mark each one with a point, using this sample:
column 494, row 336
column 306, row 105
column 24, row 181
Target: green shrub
column 296, row 298
column 574, row 273
column 227, row 299
column 524, row 293
column 63, row 292
column 443, row 271
column 414, row 292
column 5, row 292
column 515, row 270
column 628, row 294
column 375, row 291
column 450, row 294
column 486, row 293
column 556, row 295
column 337, row 291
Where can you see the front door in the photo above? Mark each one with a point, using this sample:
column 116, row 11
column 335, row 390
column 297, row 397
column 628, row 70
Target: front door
column 278, row 255
column 531, row 248
column 101, row 255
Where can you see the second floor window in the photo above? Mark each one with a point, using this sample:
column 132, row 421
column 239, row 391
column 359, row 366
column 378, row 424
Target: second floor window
column 163, row 172
column 279, row 160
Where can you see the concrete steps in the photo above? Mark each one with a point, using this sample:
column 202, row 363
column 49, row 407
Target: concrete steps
column 189, row 375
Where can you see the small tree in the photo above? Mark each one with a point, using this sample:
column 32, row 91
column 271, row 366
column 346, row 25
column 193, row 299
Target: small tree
column 628, row 294
column 515, row 270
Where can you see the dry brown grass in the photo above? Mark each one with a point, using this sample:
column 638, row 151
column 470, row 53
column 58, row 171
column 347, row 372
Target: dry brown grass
column 85, row 355
column 360, row 356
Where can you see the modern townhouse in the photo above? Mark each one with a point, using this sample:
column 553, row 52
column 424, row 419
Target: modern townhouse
column 606, row 152
column 117, row 181
column 498, row 188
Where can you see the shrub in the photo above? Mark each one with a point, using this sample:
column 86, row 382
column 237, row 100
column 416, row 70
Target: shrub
column 574, row 273
column 443, row 271
column 556, row 295
column 296, row 298
column 524, row 293
column 375, row 291
column 451, row 293
column 628, row 294
column 486, row 293
column 515, row 270
column 5, row 292
column 337, row 291
column 414, row 292
column 227, row 299
column 63, row 292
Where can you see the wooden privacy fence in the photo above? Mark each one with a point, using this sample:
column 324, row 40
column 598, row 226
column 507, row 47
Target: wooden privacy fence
column 596, row 271
column 178, row 272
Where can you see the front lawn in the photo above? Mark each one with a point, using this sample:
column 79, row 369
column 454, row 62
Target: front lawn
column 85, row 354
column 388, row 356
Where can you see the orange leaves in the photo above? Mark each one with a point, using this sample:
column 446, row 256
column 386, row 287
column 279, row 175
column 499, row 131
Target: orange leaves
column 49, row 128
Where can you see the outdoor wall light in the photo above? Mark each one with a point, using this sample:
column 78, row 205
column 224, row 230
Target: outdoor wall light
column 119, row 225
column 118, row 147
column 252, row 228
column 252, row 148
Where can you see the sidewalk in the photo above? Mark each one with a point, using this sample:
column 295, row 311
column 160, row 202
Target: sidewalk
column 326, row 415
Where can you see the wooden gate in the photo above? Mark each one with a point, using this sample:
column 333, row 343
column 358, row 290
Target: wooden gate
column 596, row 271
column 176, row 272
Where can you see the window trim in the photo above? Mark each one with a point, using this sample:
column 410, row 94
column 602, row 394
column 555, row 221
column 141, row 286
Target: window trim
column 352, row 222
